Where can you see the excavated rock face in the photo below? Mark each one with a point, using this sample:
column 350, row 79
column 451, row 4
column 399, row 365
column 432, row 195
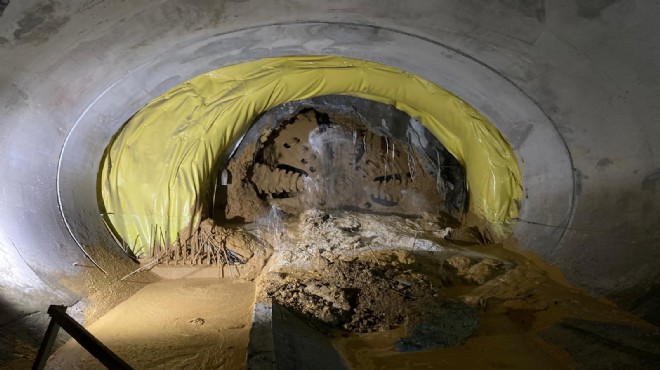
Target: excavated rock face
column 331, row 161
column 331, row 164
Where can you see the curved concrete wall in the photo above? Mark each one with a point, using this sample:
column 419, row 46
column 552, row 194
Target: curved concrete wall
column 572, row 85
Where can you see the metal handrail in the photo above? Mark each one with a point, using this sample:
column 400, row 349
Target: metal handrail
column 59, row 318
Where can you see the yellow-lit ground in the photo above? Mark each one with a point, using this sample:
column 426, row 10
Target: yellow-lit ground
column 173, row 324
column 204, row 323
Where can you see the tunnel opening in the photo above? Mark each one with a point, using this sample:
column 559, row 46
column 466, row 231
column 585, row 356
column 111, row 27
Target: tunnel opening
column 339, row 153
column 578, row 122
column 154, row 193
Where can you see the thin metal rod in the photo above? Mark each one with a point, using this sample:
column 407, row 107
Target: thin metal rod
column 82, row 336
column 46, row 345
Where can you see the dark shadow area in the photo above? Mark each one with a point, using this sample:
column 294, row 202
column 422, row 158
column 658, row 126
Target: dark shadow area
column 21, row 334
column 648, row 305
column 603, row 345
column 299, row 346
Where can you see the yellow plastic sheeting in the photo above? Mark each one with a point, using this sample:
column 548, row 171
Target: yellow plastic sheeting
column 160, row 168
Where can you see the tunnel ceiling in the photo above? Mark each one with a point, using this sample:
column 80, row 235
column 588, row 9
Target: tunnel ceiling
column 571, row 85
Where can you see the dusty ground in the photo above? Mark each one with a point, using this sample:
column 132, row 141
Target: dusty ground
column 392, row 293
column 104, row 289
column 372, row 280
column 514, row 307
column 173, row 324
column 356, row 294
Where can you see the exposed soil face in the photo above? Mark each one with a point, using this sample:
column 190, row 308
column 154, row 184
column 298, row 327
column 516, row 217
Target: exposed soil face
column 357, row 294
column 241, row 202
column 329, row 161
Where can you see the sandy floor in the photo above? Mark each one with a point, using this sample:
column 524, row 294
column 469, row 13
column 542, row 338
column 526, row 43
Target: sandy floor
column 514, row 309
column 356, row 267
column 173, row 324
column 504, row 350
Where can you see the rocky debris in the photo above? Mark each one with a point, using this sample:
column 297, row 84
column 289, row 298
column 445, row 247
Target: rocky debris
column 315, row 235
column 347, row 223
column 459, row 263
column 331, row 307
column 483, row 271
column 361, row 273
column 313, row 218
column 360, row 294
column 476, row 271
column 444, row 233
column 317, row 232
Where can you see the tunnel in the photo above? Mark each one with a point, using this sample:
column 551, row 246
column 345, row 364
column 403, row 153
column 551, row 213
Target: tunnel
column 562, row 92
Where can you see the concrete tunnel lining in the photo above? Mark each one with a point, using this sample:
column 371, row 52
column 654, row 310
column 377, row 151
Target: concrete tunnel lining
column 78, row 143
column 516, row 65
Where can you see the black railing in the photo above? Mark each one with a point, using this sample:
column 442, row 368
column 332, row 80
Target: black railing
column 60, row 319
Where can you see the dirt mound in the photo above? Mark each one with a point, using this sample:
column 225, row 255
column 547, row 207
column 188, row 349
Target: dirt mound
column 383, row 290
column 357, row 294
column 361, row 273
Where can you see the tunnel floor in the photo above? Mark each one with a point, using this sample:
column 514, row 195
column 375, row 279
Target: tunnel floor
column 387, row 291
column 173, row 324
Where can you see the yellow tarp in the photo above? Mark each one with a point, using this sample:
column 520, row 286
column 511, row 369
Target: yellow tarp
column 158, row 170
